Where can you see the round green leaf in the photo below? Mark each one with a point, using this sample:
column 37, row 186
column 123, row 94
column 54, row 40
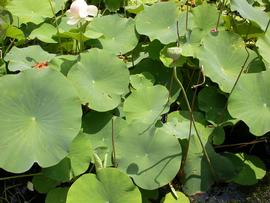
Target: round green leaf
column 110, row 185
column 37, row 120
column 44, row 33
column 151, row 157
column 205, row 17
column 57, row 195
column 162, row 75
column 25, row 58
column 251, row 98
column 218, row 136
column 30, row 10
column 170, row 198
column 149, row 195
column 255, row 14
column 158, row 22
column 100, row 79
column 198, row 176
column 144, row 79
column 80, row 154
column 119, row 36
column 146, row 104
column 15, row 33
column 98, row 127
column 43, row 184
column 213, row 103
column 60, row 172
column 222, row 57
column 252, row 171
column 63, row 63
column 263, row 44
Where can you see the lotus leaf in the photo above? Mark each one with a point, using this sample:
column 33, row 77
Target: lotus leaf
column 222, row 57
column 170, row 198
column 109, row 185
column 263, row 44
column 119, row 36
column 30, row 10
column 247, row 11
column 25, row 58
column 151, row 157
column 57, row 195
column 251, row 98
column 37, row 121
column 80, row 154
column 146, row 104
column 100, row 79
column 44, row 33
column 163, row 29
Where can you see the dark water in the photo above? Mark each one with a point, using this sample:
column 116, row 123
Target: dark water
column 232, row 193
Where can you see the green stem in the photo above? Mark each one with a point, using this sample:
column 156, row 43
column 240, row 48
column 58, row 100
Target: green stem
column 193, row 121
column 20, row 176
column 113, row 145
column 81, row 39
column 267, row 26
column 234, row 85
column 220, row 12
column 187, row 16
column 8, row 48
column 56, row 24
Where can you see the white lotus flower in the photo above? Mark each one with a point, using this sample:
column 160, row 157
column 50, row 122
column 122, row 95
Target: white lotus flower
column 80, row 11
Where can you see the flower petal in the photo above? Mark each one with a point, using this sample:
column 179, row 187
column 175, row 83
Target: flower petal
column 73, row 21
column 92, row 10
column 79, row 8
column 83, row 13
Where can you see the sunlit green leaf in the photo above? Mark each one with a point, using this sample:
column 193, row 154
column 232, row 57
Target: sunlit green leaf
column 251, row 98
column 30, row 10
column 247, row 11
column 170, row 198
column 37, row 120
column 119, row 35
column 222, row 57
column 100, row 79
column 26, row 58
column 44, row 33
column 80, row 154
column 146, row 104
column 158, row 22
column 109, row 185
column 151, row 157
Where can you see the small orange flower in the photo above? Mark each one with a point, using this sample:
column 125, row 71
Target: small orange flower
column 41, row 65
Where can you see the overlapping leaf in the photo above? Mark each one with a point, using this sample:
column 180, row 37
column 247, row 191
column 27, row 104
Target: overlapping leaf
column 251, row 98
column 151, row 157
column 30, row 10
column 100, row 79
column 158, row 22
column 80, row 154
column 109, row 185
column 263, row 44
column 247, row 11
column 44, row 33
column 147, row 104
column 222, row 57
column 119, row 36
column 25, row 58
